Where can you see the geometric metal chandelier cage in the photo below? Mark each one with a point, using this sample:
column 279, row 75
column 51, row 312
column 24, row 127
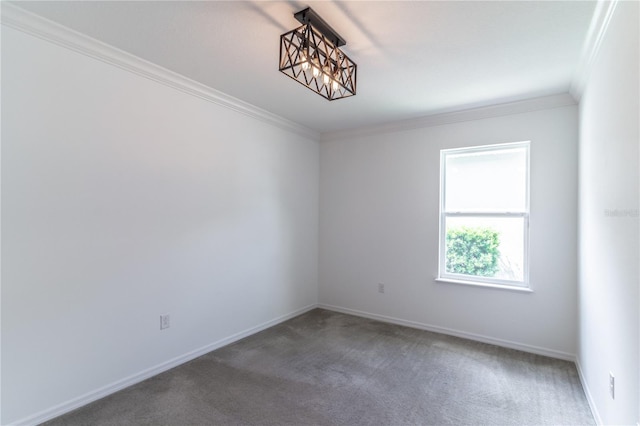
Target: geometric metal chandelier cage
column 310, row 55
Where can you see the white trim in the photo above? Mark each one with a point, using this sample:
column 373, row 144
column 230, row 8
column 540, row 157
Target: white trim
column 511, row 287
column 457, row 333
column 480, row 113
column 595, row 34
column 17, row 18
column 448, row 277
column 109, row 389
column 29, row 23
column 587, row 392
column 498, row 214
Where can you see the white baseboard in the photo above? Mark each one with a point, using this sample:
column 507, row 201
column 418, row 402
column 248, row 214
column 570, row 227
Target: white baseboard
column 109, row 389
column 104, row 391
column 587, row 392
column 471, row 336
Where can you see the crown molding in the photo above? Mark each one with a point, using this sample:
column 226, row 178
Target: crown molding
column 45, row 29
column 479, row 113
column 17, row 18
column 595, row 34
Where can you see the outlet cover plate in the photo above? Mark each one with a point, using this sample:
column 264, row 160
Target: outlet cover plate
column 165, row 321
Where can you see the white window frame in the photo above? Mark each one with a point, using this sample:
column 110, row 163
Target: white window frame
column 445, row 276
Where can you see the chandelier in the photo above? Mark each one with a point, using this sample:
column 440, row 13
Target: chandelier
column 310, row 55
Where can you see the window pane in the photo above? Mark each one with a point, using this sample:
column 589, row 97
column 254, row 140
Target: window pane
column 485, row 247
column 490, row 181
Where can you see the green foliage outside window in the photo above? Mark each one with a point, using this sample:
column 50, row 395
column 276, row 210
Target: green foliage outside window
column 472, row 251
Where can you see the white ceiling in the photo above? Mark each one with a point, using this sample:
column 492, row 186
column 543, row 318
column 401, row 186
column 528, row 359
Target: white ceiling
column 415, row 58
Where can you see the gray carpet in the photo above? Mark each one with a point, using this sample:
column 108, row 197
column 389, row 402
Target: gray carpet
column 327, row 368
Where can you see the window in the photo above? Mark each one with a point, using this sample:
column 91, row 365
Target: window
column 484, row 215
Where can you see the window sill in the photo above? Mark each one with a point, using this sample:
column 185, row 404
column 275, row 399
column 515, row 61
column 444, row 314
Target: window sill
column 488, row 285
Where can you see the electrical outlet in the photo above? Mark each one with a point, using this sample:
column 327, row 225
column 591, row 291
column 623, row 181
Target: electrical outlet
column 165, row 321
column 380, row 288
column 612, row 386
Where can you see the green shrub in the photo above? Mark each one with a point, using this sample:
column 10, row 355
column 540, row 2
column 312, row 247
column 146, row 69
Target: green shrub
column 472, row 251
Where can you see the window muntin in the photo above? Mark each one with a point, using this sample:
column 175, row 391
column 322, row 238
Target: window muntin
column 485, row 194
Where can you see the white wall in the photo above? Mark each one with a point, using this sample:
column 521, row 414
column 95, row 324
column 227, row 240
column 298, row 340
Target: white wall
column 609, row 249
column 379, row 224
column 124, row 199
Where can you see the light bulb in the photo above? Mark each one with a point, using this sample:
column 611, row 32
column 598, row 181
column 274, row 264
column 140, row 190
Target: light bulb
column 335, row 85
column 316, row 71
column 304, row 60
column 326, row 74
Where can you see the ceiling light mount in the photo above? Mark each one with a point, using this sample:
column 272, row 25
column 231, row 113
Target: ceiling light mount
column 310, row 55
column 309, row 16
